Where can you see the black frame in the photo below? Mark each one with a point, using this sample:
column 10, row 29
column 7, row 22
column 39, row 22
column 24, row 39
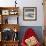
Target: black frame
column 35, row 8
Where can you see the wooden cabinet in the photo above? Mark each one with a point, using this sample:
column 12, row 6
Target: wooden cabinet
column 8, row 25
column 10, row 43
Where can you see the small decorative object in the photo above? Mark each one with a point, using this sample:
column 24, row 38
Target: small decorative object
column 15, row 3
column 5, row 12
column 30, row 13
column 15, row 36
column 13, row 12
column 32, row 41
column 15, row 30
column 6, row 21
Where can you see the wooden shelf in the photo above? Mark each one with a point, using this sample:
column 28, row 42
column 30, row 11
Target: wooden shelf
column 10, row 26
column 9, row 43
column 8, row 10
column 4, row 13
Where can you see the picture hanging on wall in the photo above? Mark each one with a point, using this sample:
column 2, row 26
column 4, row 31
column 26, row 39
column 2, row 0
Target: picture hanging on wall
column 29, row 13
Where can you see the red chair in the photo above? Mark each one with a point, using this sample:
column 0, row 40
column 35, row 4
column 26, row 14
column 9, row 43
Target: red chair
column 29, row 33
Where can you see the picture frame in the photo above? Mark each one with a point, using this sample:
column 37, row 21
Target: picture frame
column 5, row 12
column 29, row 13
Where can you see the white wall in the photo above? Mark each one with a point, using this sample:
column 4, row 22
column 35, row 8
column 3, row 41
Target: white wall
column 26, row 3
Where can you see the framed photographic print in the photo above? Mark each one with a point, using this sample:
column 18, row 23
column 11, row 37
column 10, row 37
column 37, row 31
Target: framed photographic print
column 5, row 12
column 30, row 13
